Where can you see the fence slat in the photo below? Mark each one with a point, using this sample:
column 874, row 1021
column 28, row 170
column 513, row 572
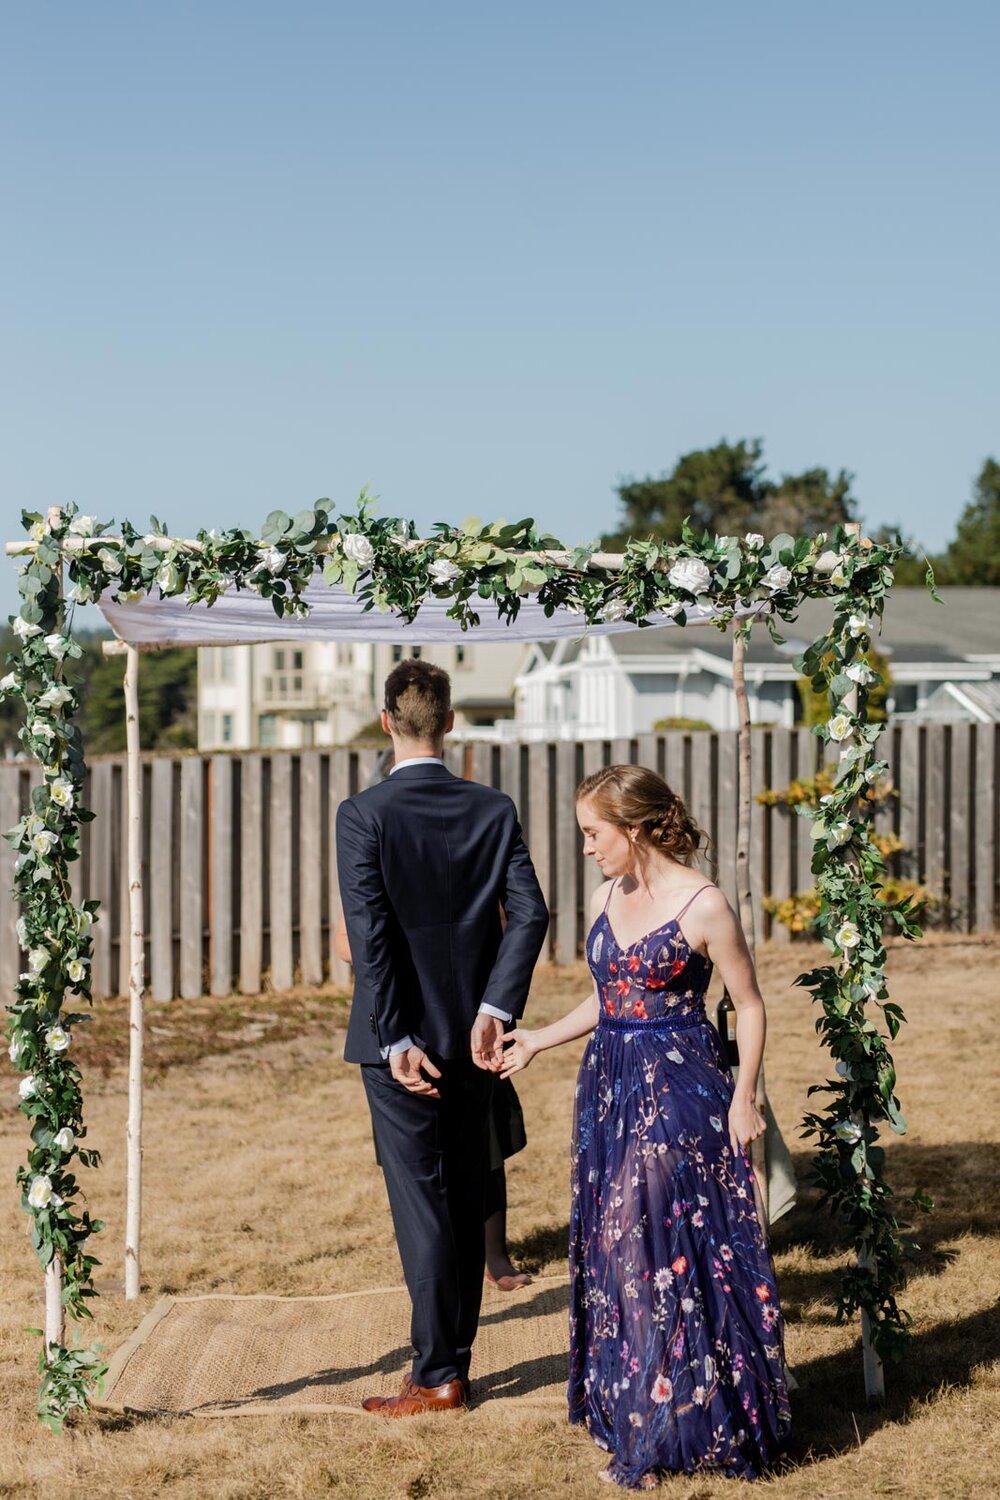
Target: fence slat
column 192, row 967
column 782, row 877
column 282, row 967
column 758, row 829
column 251, row 873
column 310, row 869
column 987, row 826
column 909, row 800
column 593, row 760
column 936, row 836
column 567, row 844
column 959, row 823
column 161, row 879
column 221, row 866
column 537, row 832
column 726, row 815
column 340, row 970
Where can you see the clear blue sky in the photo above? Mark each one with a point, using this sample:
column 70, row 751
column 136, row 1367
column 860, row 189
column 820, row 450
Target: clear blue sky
column 491, row 258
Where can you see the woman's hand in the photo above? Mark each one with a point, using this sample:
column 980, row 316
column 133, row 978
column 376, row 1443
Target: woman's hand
column 518, row 1055
column 746, row 1122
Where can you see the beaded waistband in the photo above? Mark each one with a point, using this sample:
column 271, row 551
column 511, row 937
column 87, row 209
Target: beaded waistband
column 658, row 1023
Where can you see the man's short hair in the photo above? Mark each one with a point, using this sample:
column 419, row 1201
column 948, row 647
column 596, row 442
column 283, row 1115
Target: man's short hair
column 418, row 699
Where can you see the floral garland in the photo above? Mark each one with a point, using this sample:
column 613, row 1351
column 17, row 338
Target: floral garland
column 388, row 567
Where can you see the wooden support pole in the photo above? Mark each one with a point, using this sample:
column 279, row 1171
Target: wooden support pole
column 136, row 979
column 55, row 1317
column 758, row 1148
column 873, row 1369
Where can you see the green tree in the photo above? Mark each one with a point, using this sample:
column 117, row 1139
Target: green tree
column 725, row 489
column 973, row 555
column 168, row 701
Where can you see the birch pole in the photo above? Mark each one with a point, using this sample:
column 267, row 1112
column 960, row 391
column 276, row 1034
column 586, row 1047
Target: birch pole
column 874, row 1372
column 758, row 1148
column 136, row 979
column 55, row 1316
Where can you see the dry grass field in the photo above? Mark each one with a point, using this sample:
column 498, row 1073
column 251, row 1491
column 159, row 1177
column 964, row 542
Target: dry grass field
column 259, row 1177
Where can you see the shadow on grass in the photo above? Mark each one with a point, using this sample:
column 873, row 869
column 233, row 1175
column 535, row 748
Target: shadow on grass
column 830, row 1413
column 540, row 1247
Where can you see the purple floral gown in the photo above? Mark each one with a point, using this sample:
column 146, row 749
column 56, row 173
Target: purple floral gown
column 676, row 1359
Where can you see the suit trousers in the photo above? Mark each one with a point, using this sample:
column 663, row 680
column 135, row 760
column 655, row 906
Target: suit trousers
column 434, row 1158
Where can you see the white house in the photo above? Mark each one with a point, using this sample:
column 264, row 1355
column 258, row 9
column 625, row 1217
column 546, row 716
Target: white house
column 622, row 685
column 323, row 692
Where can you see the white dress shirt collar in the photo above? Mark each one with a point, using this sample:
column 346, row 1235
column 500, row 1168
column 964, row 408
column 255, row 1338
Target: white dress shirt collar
column 417, row 760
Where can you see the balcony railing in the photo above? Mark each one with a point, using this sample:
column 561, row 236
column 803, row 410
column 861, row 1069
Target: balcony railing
column 305, row 690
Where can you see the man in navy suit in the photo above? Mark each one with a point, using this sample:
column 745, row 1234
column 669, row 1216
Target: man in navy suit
column 425, row 862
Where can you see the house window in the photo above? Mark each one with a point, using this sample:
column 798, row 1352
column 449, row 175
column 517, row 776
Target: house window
column 297, row 659
column 416, row 652
column 462, row 656
column 397, row 654
column 279, row 661
column 268, row 729
column 904, row 697
column 226, row 664
column 227, row 729
column 344, row 658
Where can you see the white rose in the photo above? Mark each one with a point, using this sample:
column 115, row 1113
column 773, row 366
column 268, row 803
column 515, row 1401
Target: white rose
column 754, row 540
column 81, row 593
column 38, row 958
column 83, row 920
column 64, row 1139
column 77, row 970
column 38, row 531
column 82, row 525
column 109, row 560
column 8, row 683
column 61, row 792
column 839, row 834
column 443, row 571
column 856, row 625
column 839, row 727
column 27, row 1086
column 615, row 609
column 848, row 936
column 169, row 579
column 54, row 697
column 24, row 631
column 846, row 1130
column 21, row 928
column 14, row 1051
column 859, row 671
column 838, row 577
column 273, row 559
column 358, row 548
column 44, row 841
column 673, row 610
column 690, row 574
column 57, row 1039
column 40, row 1192
column 58, row 645
column 777, row 577
column 129, row 596
column 40, row 730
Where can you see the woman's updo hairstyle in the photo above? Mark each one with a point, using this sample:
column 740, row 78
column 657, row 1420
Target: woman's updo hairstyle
column 635, row 797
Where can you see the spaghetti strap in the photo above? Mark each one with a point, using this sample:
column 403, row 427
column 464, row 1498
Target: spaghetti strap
column 610, row 893
column 706, row 887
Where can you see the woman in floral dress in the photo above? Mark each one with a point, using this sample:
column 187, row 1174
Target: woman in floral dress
column 676, row 1359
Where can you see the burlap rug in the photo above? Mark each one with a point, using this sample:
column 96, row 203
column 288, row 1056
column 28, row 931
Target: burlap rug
column 239, row 1356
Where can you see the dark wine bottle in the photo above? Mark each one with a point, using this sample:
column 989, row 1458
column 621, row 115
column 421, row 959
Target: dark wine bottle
column 726, row 1023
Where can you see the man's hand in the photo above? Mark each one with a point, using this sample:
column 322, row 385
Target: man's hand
column 487, row 1043
column 409, row 1067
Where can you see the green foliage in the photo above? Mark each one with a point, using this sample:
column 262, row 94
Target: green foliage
column 816, row 703
column 972, row 557
column 682, row 723
column 725, row 489
column 168, row 701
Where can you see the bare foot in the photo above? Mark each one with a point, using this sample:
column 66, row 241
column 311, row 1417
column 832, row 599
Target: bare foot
column 646, row 1482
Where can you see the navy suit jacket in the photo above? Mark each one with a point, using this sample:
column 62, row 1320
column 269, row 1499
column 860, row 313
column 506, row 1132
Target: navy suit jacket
column 425, row 861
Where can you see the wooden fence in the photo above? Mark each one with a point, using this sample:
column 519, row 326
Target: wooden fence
column 239, row 863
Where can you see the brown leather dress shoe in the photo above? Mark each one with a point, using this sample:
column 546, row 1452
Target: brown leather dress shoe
column 414, row 1399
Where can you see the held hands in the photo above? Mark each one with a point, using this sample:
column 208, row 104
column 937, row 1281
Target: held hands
column 487, row 1043
column 409, row 1068
column 746, row 1122
column 519, row 1054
